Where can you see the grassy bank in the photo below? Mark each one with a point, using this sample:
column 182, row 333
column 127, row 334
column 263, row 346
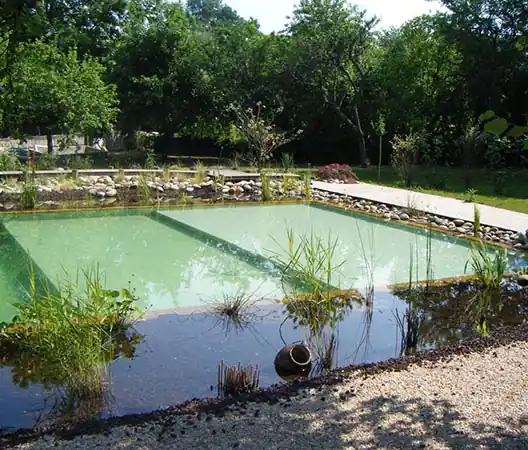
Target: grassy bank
column 450, row 182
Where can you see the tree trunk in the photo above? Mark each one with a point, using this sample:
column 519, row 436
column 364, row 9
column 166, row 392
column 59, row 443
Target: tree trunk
column 357, row 128
column 362, row 144
column 380, row 154
column 49, row 139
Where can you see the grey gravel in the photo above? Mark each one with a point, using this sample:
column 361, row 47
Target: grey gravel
column 468, row 402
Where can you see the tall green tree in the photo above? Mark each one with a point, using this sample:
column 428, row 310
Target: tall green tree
column 332, row 41
column 52, row 92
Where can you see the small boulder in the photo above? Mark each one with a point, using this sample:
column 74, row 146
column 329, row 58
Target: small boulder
column 404, row 216
column 111, row 192
column 458, row 222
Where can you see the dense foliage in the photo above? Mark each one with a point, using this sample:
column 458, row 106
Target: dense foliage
column 184, row 70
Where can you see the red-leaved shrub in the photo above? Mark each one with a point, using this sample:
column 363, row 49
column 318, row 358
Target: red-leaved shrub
column 338, row 172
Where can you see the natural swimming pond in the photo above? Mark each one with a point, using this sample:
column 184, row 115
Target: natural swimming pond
column 181, row 260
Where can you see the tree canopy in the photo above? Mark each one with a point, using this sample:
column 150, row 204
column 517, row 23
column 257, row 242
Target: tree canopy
column 182, row 69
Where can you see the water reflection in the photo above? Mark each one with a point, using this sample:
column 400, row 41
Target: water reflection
column 67, row 395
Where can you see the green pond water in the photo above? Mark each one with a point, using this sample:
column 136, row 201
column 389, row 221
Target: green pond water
column 363, row 242
column 177, row 258
column 168, row 269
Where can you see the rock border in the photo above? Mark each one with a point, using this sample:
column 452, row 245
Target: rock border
column 102, row 191
column 457, row 227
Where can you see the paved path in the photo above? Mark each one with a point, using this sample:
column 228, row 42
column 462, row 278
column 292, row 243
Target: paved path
column 434, row 204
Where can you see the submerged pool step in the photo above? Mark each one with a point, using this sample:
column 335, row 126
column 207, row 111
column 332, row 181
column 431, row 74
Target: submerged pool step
column 255, row 259
column 11, row 248
column 258, row 261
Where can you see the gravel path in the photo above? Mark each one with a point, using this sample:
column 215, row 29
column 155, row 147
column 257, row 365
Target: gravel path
column 474, row 401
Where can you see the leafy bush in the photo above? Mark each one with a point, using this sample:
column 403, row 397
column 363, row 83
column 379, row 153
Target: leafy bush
column 79, row 163
column 338, row 172
column 46, row 161
column 405, row 154
column 9, row 162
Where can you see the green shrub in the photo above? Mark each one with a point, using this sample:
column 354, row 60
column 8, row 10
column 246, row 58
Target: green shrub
column 405, row 152
column 46, row 161
column 28, row 196
column 9, row 162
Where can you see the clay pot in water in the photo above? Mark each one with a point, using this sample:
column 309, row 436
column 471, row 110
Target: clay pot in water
column 293, row 361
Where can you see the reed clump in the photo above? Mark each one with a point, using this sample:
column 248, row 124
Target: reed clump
column 235, row 380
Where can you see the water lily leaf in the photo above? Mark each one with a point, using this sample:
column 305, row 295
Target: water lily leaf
column 518, row 131
column 488, row 115
column 522, row 43
column 496, row 126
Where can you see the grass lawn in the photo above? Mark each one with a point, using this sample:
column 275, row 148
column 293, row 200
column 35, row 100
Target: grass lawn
column 452, row 183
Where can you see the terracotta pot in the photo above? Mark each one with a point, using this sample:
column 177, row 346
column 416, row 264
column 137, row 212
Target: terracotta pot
column 293, row 361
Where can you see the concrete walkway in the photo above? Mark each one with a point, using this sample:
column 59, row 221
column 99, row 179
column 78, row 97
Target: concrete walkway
column 434, row 204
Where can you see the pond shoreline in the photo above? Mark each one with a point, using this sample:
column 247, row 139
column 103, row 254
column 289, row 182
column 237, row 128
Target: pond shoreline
column 206, row 409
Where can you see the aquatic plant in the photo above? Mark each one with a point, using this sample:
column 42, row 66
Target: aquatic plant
column 324, row 349
column 411, row 321
column 489, row 267
column 234, row 311
column 67, row 333
column 28, row 195
column 476, row 220
column 234, row 380
column 287, row 161
column 145, row 193
column 267, row 193
column 288, row 183
column 307, row 270
column 201, row 173
column 409, row 324
column 307, row 184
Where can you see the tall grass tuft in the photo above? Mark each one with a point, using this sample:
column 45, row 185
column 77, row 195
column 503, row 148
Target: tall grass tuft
column 234, row 380
column 267, row 193
column 234, row 311
column 488, row 267
column 476, row 220
column 145, row 193
column 307, row 184
column 307, row 269
column 28, row 196
column 201, row 173
column 288, row 183
column 489, row 270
